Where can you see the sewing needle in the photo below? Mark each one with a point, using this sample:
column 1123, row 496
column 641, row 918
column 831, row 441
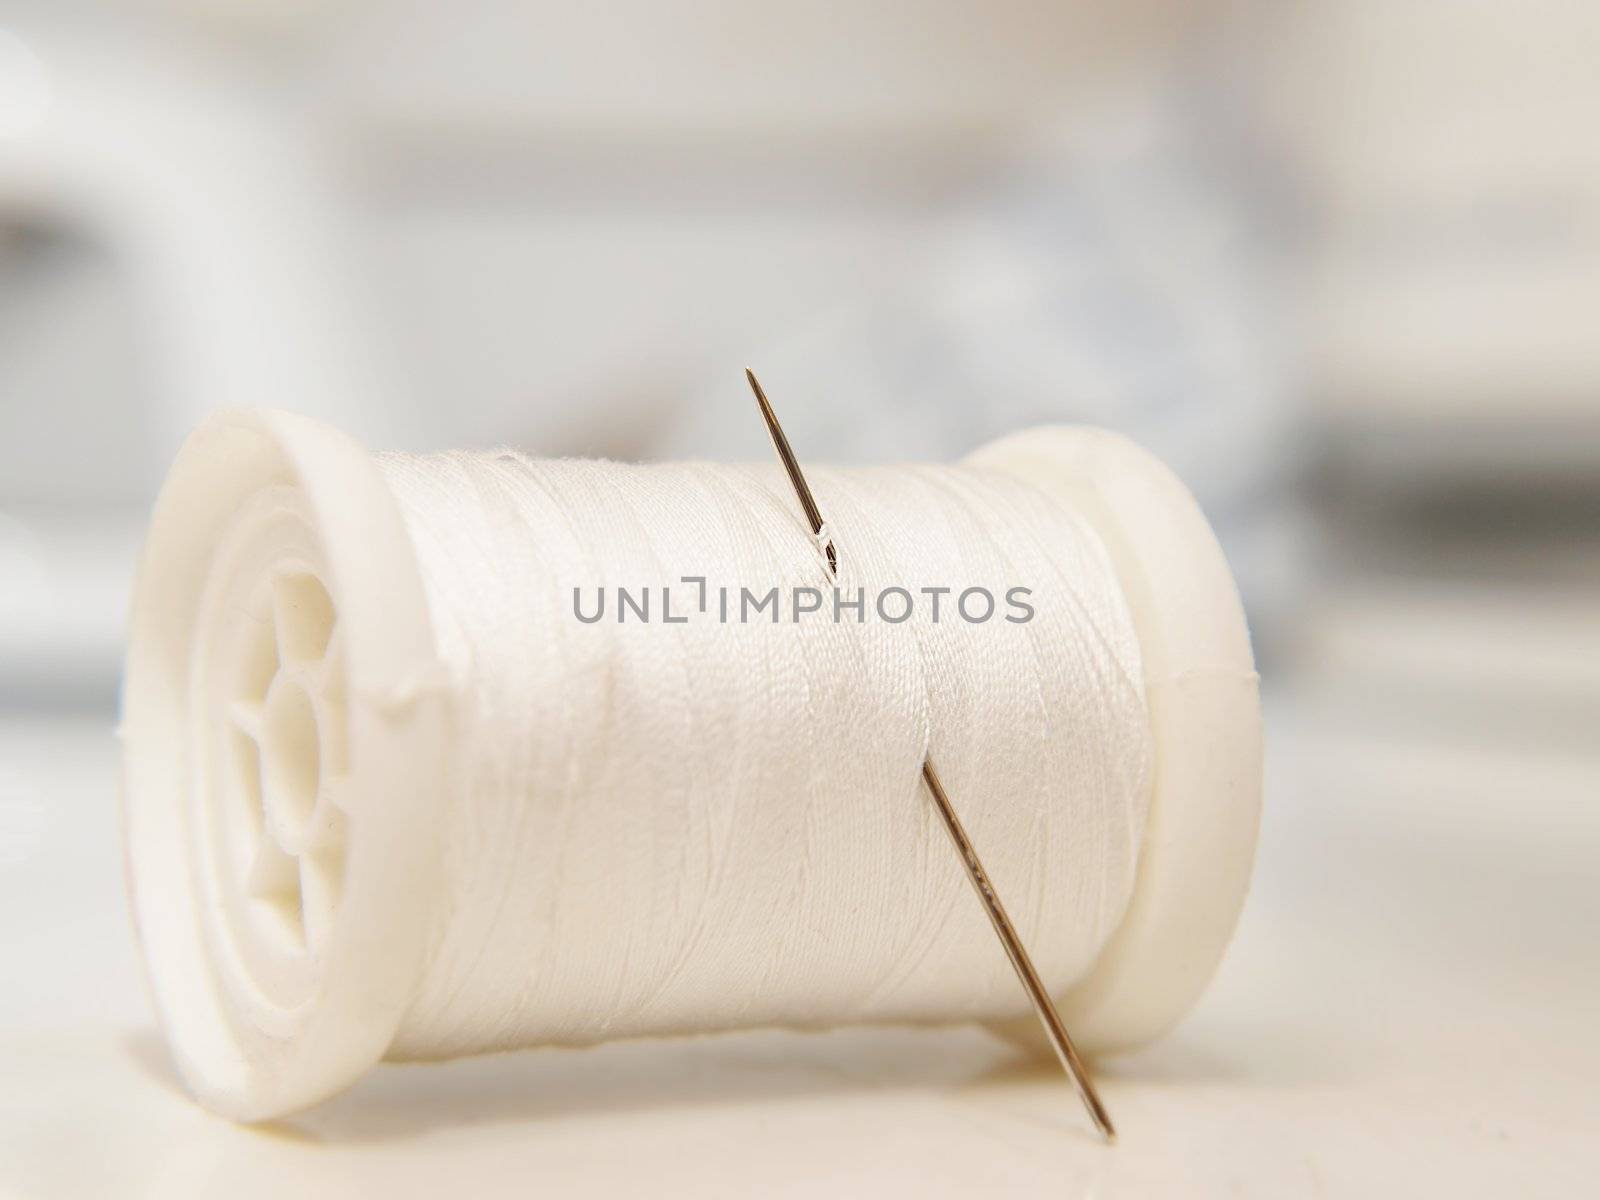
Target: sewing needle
column 1049, row 1018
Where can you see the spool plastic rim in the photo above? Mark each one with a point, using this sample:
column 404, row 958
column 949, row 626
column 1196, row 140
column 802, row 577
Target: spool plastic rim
column 1203, row 696
column 283, row 744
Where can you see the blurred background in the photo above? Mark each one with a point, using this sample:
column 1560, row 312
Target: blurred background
column 1337, row 261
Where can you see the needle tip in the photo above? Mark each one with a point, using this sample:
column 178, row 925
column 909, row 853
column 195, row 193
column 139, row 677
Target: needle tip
column 1097, row 1112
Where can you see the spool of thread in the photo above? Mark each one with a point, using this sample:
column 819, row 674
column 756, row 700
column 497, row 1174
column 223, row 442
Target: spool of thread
column 426, row 756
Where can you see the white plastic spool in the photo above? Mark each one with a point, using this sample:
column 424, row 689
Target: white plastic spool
column 283, row 687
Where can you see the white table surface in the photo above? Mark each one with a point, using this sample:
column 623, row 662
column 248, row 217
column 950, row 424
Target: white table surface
column 1411, row 1008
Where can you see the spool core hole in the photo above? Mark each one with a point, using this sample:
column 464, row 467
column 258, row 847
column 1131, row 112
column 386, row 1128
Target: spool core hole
column 304, row 615
column 291, row 754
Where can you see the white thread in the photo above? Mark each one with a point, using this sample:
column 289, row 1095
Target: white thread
column 821, row 540
column 658, row 828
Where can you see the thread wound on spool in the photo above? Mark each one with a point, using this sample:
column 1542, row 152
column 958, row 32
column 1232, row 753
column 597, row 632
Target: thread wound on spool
column 712, row 824
column 656, row 822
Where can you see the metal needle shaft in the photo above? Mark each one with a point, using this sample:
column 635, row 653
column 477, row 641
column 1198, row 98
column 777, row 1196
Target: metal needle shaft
column 1049, row 1018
